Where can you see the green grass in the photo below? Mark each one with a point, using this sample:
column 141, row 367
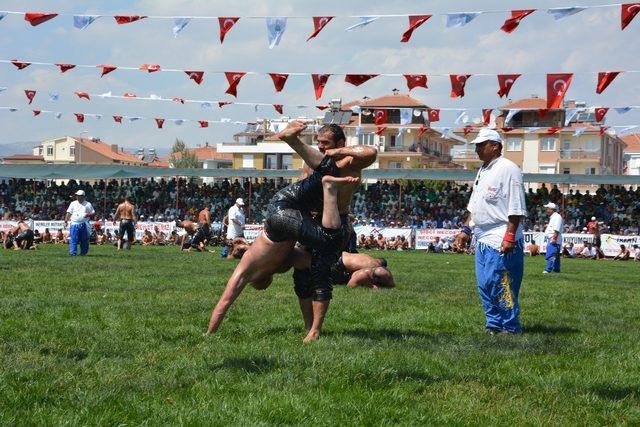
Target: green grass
column 116, row 338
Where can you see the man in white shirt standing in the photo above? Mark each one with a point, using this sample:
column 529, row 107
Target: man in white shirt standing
column 236, row 220
column 553, row 236
column 497, row 206
column 79, row 213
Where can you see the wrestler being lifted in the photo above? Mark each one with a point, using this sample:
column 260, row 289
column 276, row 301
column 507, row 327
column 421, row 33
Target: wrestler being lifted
column 289, row 220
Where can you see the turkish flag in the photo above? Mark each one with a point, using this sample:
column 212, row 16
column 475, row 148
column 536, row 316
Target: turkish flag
column 319, row 82
column 106, row 69
column 380, row 130
column 557, row 86
column 65, row 67
column 180, row 100
column 20, row 64
column 358, row 79
column 278, row 108
column 279, row 80
column 159, row 122
column 486, row 115
column 605, row 79
column 542, row 112
column 82, row 95
column 226, row 22
column 130, row 95
column 553, row 130
column 458, row 82
column 505, row 83
column 322, row 107
column 234, row 79
column 35, row 18
column 466, row 130
column 196, row 76
column 629, row 11
column 30, row 94
column 203, row 123
column 36, row 112
column 516, row 16
column 117, row 119
column 380, row 117
column 600, row 113
column 152, row 68
column 422, row 130
column 120, row 19
column 319, row 22
column 602, row 130
column 434, row 114
column 223, row 103
column 79, row 117
column 414, row 22
column 416, row 80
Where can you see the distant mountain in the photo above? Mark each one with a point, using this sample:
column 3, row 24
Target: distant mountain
column 22, row 147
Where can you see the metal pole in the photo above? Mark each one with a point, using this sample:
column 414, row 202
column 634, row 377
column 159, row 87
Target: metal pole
column 249, row 204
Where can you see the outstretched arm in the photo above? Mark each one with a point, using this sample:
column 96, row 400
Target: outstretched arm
column 291, row 134
column 232, row 291
column 362, row 155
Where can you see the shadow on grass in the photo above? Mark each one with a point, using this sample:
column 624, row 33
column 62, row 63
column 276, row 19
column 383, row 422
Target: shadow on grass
column 549, row 330
column 246, row 364
column 391, row 334
column 611, row 392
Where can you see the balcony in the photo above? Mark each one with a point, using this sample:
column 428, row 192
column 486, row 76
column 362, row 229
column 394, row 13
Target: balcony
column 580, row 154
column 465, row 155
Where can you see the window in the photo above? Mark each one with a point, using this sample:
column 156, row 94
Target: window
column 50, row 150
column 591, row 145
column 566, row 144
column 365, row 139
column 589, row 171
column 287, row 161
column 72, row 151
column 247, row 161
column 566, row 171
column 514, row 144
column 547, row 144
column 547, row 169
column 395, row 165
column 392, row 140
column 40, row 151
column 271, row 161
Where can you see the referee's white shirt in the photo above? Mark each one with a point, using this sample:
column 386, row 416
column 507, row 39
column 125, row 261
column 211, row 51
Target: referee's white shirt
column 555, row 224
column 79, row 211
column 498, row 193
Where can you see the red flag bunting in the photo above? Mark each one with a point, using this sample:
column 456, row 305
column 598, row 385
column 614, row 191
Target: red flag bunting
column 36, row 112
column 152, row 68
column 20, row 64
column 414, row 22
column 467, row 130
column 603, row 130
column 117, row 119
column 605, row 79
column 322, row 107
column 416, row 80
column 319, row 82
column 458, row 82
column 226, row 23
column 434, row 114
column 278, row 108
column 516, row 16
column 159, row 122
column 234, row 79
column 358, row 79
column 542, row 112
column 600, row 113
column 129, row 95
column 380, row 117
column 120, row 19
column 35, row 18
column 279, row 80
column 30, row 94
column 223, row 103
column 82, row 95
column 196, row 76
column 553, row 130
column 79, row 117
column 629, row 11
column 486, row 116
column 557, row 86
column 180, row 100
column 65, row 67
column 507, row 129
column 106, row 69
column 422, row 130
column 319, row 22
column 505, row 83
column 380, row 130
column 203, row 123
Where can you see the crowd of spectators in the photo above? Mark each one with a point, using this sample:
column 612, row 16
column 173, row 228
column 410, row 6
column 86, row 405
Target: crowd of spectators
column 419, row 204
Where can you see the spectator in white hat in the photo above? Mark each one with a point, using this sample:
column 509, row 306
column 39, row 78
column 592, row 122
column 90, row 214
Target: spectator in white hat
column 553, row 236
column 236, row 220
column 497, row 207
column 79, row 213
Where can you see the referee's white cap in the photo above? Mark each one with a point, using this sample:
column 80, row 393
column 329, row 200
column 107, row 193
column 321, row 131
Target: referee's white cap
column 80, row 193
column 551, row 205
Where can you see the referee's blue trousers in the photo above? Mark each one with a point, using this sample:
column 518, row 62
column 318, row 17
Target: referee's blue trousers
column 499, row 278
column 552, row 255
column 78, row 233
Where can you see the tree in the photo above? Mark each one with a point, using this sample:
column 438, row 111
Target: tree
column 181, row 157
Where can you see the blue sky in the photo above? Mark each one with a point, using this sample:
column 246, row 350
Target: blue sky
column 589, row 41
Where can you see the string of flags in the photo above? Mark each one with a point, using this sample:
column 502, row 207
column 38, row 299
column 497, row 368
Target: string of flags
column 276, row 26
column 557, row 83
column 406, row 113
column 380, row 124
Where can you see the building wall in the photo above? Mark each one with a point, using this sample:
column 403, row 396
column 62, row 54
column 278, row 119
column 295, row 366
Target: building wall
column 61, row 149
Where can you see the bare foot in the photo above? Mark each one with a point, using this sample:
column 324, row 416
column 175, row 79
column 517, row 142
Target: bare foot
column 313, row 335
column 335, row 182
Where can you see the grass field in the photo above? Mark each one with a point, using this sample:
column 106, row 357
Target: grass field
column 116, row 338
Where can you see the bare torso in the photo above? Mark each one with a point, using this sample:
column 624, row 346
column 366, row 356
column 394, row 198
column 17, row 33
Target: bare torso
column 126, row 211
